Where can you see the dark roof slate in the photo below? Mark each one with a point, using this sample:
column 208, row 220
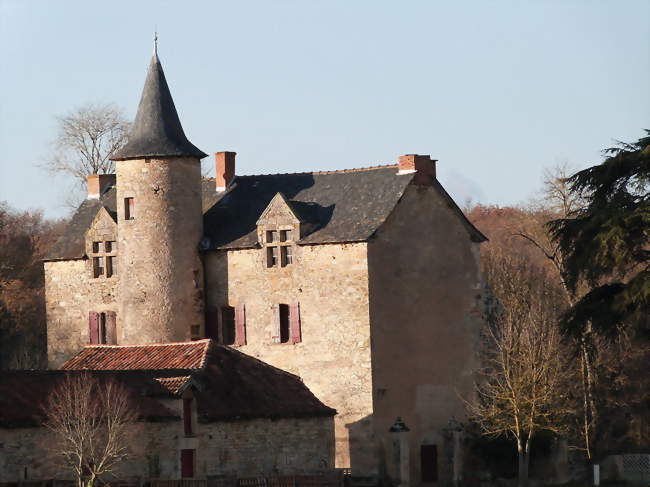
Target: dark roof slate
column 71, row 244
column 338, row 206
column 157, row 130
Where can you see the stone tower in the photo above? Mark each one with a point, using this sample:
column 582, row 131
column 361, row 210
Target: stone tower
column 160, row 223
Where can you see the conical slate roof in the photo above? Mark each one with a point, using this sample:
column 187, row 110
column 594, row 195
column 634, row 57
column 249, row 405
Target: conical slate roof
column 157, row 130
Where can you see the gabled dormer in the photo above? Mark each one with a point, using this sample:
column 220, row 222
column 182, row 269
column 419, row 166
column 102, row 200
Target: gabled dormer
column 278, row 230
column 101, row 246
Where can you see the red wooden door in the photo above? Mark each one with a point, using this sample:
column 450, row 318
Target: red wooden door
column 187, row 464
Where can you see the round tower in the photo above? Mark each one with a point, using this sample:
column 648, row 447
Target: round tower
column 160, row 223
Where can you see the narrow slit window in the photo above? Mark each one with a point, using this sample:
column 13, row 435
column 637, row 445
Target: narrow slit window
column 129, row 208
column 187, row 416
column 285, row 327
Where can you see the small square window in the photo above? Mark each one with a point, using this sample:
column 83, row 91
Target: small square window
column 97, row 247
column 285, row 235
column 271, row 236
column 195, row 331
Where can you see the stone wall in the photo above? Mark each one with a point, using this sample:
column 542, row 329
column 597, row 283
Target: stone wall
column 425, row 312
column 243, row 448
column 330, row 282
column 161, row 295
column 70, row 294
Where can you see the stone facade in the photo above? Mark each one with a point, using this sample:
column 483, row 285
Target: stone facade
column 388, row 327
column 330, row 283
column 161, row 282
column 259, row 447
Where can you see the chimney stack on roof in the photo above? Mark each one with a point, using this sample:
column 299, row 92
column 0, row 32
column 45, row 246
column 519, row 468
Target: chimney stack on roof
column 98, row 184
column 423, row 166
column 225, row 169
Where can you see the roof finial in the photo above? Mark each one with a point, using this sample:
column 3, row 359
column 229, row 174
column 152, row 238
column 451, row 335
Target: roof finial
column 155, row 42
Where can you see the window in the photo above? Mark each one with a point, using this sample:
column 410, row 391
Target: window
column 286, row 255
column 102, row 328
column 111, row 266
column 285, row 235
column 287, row 323
column 271, row 256
column 187, row 416
column 98, row 266
column 284, row 323
column 279, row 251
column 187, row 464
column 228, row 325
column 102, row 263
column 429, row 463
column 129, row 208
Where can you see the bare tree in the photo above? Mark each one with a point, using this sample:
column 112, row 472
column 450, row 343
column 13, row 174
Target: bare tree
column 86, row 138
column 524, row 368
column 90, row 419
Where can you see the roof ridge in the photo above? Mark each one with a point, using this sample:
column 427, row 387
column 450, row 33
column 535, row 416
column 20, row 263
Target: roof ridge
column 332, row 171
column 203, row 341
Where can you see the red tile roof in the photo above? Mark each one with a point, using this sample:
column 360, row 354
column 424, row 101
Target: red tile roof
column 174, row 384
column 158, row 356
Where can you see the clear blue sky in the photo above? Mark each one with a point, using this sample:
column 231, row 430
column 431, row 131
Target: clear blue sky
column 496, row 90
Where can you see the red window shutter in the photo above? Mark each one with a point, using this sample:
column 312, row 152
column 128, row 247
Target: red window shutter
column 294, row 323
column 212, row 323
column 187, row 464
column 111, row 332
column 275, row 334
column 187, row 415
column 240, row 325
column 93, row 327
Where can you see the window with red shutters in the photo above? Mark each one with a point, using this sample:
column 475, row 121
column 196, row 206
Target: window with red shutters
column 187, row 416
column 187, row 464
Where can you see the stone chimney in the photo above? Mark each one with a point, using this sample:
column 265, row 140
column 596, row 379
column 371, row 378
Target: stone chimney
column 98, row 184
column 423, row 166
column 225, row 169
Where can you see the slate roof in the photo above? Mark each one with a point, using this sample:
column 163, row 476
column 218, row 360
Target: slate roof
column 156, row 356
column 23, row 394
column 334, row 206
column 337, row 206
column 157, row 130
column 72, row 243
column 230, row 385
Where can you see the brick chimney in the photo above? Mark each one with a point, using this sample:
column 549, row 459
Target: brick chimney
column 225, row 169
column 98, row 184
column 423, row 166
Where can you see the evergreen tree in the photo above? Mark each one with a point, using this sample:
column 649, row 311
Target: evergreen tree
column 607, row 242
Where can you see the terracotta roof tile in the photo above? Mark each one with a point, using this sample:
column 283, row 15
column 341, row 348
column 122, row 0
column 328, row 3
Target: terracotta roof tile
column 174, row 384
column 159, row 356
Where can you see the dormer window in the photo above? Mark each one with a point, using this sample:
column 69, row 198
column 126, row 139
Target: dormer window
column 103, row 258
column 279, row 251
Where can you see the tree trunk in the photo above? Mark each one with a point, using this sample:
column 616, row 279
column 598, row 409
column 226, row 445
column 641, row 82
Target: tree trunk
column 523, row 464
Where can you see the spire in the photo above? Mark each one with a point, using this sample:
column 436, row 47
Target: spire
column 157, row 130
